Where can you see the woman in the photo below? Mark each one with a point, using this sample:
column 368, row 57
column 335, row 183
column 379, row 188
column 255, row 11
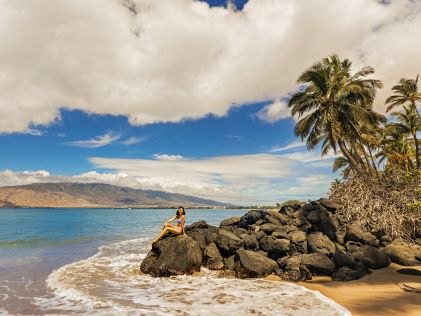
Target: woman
column 180, row 216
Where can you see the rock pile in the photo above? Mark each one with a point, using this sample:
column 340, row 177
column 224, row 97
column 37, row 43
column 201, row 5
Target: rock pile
column 295, row 243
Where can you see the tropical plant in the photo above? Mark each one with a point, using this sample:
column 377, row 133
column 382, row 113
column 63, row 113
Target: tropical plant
column 406, row 92
column 332, row 107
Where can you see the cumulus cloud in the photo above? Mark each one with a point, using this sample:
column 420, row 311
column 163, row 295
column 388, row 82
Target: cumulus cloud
column 168, row 157
column 96, row 142
column 274, row 112
column 169, row 60
column 241, row 179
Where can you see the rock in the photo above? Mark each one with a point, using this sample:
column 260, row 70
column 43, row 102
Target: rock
column 251, row 242
column 329, row 225
column 351, row 246
column 355, row 232
column 173, row 256
column 212, row 257
column 385, row 240
column 404, row 253
column 371, row 257
column 292, row 263
column 260, row 234
column 268, row 228
column 230, row 221
column 198, row 236
column 409, row 271
column 251, row 264
column 280, row 217
column 237, row 231
column 320, row 243
column 229, row 263
column 250, row 217
column 346, row 274
column 275, row 247
column 318, row 264
column 310, row 207
column 361, row 268
column 314, row 216
column 293, row 276
column 227, row 242
column 342, row 259
column 329, row 204
column 196, row 225
column 299, row 239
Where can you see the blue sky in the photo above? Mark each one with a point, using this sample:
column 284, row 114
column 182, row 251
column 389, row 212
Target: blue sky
column 181, row 96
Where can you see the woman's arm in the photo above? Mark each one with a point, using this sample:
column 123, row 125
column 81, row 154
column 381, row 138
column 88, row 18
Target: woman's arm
column 170, row 219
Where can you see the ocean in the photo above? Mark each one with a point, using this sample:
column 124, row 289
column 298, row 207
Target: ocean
column 86, row 262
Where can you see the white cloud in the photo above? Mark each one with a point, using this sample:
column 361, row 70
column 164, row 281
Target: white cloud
column 133, row 140
column 293, row 145
column 242, row 179
column 98, row 141
column 168, row 157
column 180, row 59
column 274, row 112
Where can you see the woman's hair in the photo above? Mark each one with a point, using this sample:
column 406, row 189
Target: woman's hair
column 183, row 212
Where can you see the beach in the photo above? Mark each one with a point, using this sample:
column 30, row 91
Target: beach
column 375, row 294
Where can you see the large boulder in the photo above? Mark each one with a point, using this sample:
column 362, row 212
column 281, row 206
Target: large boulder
column 230, row 221
column 346, row 274
column 280, row 217
column 371, row 257
column 404, row 253
column 250, row 218
column 275, row 247
column 250, row 264
column 173, row 256
column 212, row 257
column 298, row 240
column 318, row 263
column 355, row 232
column 342, row 259
column 329, row 204
column 320, row 243
column 268, row 228
column 251, row 242
column 227, row 242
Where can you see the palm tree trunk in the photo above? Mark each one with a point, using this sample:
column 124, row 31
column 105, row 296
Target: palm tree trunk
column 367, row 160
column 417, row 149
column 352, row 162
column 358, row 156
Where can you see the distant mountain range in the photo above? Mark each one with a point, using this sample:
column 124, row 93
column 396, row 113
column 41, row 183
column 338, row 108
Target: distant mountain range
column 95, row 195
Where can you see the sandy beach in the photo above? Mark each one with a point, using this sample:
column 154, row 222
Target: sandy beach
column 374, row 294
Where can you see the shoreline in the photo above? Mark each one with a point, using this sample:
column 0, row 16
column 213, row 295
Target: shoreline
column 375, row 294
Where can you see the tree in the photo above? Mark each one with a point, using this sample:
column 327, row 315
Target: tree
column 332, row 105
column 406, row 92
column 409, row 123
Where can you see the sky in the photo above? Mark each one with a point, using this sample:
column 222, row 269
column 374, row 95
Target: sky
column 179, row 95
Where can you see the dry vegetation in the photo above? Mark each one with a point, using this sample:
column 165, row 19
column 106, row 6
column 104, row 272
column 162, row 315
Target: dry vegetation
column 391, row 202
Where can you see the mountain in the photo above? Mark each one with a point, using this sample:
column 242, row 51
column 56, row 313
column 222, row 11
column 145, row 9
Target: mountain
column 94, row 195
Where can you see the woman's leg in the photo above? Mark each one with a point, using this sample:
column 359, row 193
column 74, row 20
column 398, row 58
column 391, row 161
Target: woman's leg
column 173, row 230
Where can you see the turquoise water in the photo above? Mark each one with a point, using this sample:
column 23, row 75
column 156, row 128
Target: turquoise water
column 86, row 261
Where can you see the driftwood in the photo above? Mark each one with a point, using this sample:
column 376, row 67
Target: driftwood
column 407, row 288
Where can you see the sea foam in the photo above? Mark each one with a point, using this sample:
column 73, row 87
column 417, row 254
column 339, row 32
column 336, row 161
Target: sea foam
column 110, row 283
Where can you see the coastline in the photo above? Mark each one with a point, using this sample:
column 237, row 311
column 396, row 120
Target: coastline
column 375, row 294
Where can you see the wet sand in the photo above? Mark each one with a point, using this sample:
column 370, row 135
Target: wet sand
column 374, row 294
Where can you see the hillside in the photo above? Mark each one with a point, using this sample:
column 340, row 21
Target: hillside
column 94, row 195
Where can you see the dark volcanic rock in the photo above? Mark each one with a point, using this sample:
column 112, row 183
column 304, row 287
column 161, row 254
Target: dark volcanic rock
column 230, row 221
column 352, row 246
column 299, row 239
column 268, row 228
column 198, row 236
column 227, row 242
column 346, row 274
column 355, row 232
column 329, row 204
column 409, row 271
column 280, row 217
column 250, row 264
column 404, row 253
column 173, row 256
column 251, row 242
column 229, row 263
column 320, row 243
column 250, row 217
column 371, row 257
column 212, row 257
column 342, row 259
column 275, row 247
column 318, row 264
column 196, row 225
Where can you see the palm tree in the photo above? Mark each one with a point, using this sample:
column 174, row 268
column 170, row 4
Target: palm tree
column 395, row 149
column 406, row 92
column 409, row 122
column 332, row 105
